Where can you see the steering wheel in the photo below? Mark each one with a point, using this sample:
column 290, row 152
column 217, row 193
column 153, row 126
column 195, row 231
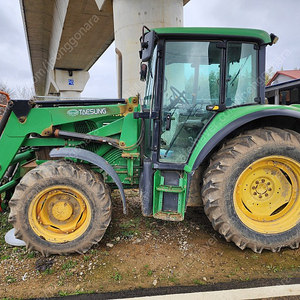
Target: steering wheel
column 178, row 96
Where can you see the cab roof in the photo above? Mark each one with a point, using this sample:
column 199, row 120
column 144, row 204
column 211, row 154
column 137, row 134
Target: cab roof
column 257, row 35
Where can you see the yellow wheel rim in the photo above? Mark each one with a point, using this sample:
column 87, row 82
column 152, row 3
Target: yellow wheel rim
column 266, row 195
column 59, row 214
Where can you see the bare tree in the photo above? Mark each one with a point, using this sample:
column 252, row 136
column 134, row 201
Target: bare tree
column 269, row 74
column 24, row 92
column 3, row 98
column 16, row 93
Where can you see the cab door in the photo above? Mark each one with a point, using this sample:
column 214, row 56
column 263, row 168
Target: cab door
column 192, row 76
column 190, row 79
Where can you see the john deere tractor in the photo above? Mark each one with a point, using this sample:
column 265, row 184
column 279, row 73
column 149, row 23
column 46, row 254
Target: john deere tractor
column 202, row 134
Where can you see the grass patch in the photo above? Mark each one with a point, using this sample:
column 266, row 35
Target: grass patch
column 69, row 265
column 272, row 268
column 65, row 293
column 10, row 279
column 94, row 251
column 173, row 279
column 31, row 254
column 4, row 228
column 117, row 277
column 199, row 282
column 129, row 228
column 49, row 271
column 130, row 233
column 105, row 253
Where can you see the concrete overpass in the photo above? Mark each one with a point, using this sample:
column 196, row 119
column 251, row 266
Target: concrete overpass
column 66, row 37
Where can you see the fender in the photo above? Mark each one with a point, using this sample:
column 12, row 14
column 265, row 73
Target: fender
column 95, row 160
column 225, row 131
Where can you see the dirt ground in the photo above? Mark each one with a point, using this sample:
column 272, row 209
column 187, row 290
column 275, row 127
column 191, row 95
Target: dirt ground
column 139, row 252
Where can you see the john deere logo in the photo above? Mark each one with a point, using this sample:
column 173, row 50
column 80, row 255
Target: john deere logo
column 73, row 112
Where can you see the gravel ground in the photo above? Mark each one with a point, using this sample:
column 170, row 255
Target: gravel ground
column 139, row 253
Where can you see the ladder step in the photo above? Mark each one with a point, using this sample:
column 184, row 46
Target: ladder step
column 168, row 216
column 170, row 189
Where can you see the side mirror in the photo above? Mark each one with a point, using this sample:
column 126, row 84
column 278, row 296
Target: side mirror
column 143, row 72
column 147, row 41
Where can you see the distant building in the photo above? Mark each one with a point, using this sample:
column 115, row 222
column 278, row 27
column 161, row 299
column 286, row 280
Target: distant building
column 284, row 88
column 284, row 76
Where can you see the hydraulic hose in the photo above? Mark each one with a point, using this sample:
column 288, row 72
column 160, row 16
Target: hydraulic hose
column 7, row 98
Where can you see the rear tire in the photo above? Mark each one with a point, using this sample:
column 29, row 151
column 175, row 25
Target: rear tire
column 60, row 208
column 251, row 190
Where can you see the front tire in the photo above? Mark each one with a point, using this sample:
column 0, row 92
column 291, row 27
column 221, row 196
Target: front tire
column 251, row 190
column 60, row 208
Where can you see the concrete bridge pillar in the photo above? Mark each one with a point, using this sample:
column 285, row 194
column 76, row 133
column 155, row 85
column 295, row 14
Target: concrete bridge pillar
column 69, row 83
column 129, row 16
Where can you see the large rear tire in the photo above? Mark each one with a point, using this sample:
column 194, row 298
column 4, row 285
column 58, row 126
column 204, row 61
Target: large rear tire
column 251, row 190
column 60, row 207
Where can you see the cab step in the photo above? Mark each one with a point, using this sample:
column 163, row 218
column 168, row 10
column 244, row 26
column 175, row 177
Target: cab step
column 169, row 195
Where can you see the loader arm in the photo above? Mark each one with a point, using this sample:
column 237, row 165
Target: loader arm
column 105, row 127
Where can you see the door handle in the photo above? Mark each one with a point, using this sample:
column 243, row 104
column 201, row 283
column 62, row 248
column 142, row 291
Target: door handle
column 168, row 121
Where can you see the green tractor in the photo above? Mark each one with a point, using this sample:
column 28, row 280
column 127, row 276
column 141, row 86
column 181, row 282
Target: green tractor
column 202, row 134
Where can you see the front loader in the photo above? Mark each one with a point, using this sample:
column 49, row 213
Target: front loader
column 201, row 135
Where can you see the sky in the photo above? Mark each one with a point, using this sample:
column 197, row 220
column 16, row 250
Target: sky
column 278, row 16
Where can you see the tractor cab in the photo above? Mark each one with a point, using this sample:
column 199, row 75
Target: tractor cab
column 194, row 73
column 191, row 75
